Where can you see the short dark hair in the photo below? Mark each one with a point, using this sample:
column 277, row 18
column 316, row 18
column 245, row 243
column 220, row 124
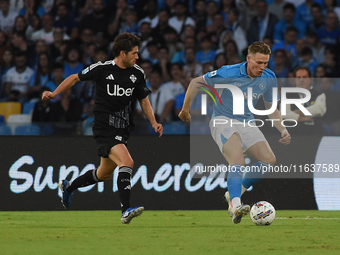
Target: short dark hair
column 306, row 68
column 262, row 1
column 179, row 65
column 101, row 49
column 152, row 43
column 291, row 29
column 63, row 4
column 145, row 61
column 58, row 65
column 164, row 10
column 206, row 38
column 282, row 51
column 232, row 42
column 306, row 51
column 170, row 30
column 125, row 42
column 20, row 34
column 235, row 11
column 311, row 33
column 180, row 3
column 20, row 53
column 164, row 47
column 156, row 71
column 316, row 5
column 72, row 47
column 289, row 6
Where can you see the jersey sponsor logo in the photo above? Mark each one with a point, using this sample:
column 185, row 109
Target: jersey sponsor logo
column 255, row 95
column 118, row 137
column 133, row 78
column 116, row 90
column 110, row 77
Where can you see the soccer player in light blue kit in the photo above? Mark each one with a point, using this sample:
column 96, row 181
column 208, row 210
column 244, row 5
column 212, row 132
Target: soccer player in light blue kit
column 235, row 136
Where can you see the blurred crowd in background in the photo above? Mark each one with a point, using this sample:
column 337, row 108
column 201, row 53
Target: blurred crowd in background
column 43, row 42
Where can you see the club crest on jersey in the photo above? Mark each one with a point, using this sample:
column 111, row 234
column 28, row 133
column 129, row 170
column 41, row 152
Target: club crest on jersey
column 118, row 137
column 262, row 86
column 133, row 78
column 211, row 74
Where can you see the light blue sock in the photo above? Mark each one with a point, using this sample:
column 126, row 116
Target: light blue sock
column 256, row 173
column 234, row 181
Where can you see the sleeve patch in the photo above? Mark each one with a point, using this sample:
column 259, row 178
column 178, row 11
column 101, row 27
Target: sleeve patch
column 211, row 74
column 85, row 70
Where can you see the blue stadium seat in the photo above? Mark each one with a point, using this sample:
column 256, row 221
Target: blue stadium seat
column 2, row 118
column 46, row 130
column 87, row 126
column 174, row 128
column 199, row 128
column 5, row 130
column 27, row 130
column 28, row 108
column 151, row 130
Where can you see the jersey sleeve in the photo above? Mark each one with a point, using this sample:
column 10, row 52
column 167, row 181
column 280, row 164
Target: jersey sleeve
column 89, row 73
column 142, row 91
column 216, row 76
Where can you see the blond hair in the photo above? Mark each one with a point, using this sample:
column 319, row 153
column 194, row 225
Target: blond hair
column 259, row 47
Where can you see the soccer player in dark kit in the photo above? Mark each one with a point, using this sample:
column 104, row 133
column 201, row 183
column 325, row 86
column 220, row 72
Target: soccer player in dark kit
column 118, row 83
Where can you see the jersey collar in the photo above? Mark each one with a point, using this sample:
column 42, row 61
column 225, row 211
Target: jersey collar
column 243, row 70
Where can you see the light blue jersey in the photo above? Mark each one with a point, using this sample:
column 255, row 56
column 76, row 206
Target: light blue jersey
column 236, row 75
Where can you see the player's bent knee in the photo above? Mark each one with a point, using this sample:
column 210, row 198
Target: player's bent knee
column 234, row 159
column 271, row 160
column 105, row 177
column 128, row 163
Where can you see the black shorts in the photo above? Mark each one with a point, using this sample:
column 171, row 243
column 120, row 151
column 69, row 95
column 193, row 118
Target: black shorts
column 109, row 137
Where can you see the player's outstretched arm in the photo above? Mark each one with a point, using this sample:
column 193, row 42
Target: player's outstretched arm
column 66, row 84
column 285, row 136
column 148, row 111
column 190, row 96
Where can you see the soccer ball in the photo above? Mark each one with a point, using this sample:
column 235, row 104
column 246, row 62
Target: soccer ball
column 262, row 213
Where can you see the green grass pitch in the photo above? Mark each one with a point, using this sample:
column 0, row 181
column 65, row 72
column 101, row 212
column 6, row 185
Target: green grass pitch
column 167, row 232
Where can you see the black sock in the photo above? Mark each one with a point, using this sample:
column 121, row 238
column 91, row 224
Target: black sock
column 124, row 186
column 90, row 177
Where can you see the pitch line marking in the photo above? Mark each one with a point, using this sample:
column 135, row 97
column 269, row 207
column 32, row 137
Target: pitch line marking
column 307, row 218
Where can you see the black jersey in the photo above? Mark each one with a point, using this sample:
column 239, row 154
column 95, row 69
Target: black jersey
column 116, row 89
